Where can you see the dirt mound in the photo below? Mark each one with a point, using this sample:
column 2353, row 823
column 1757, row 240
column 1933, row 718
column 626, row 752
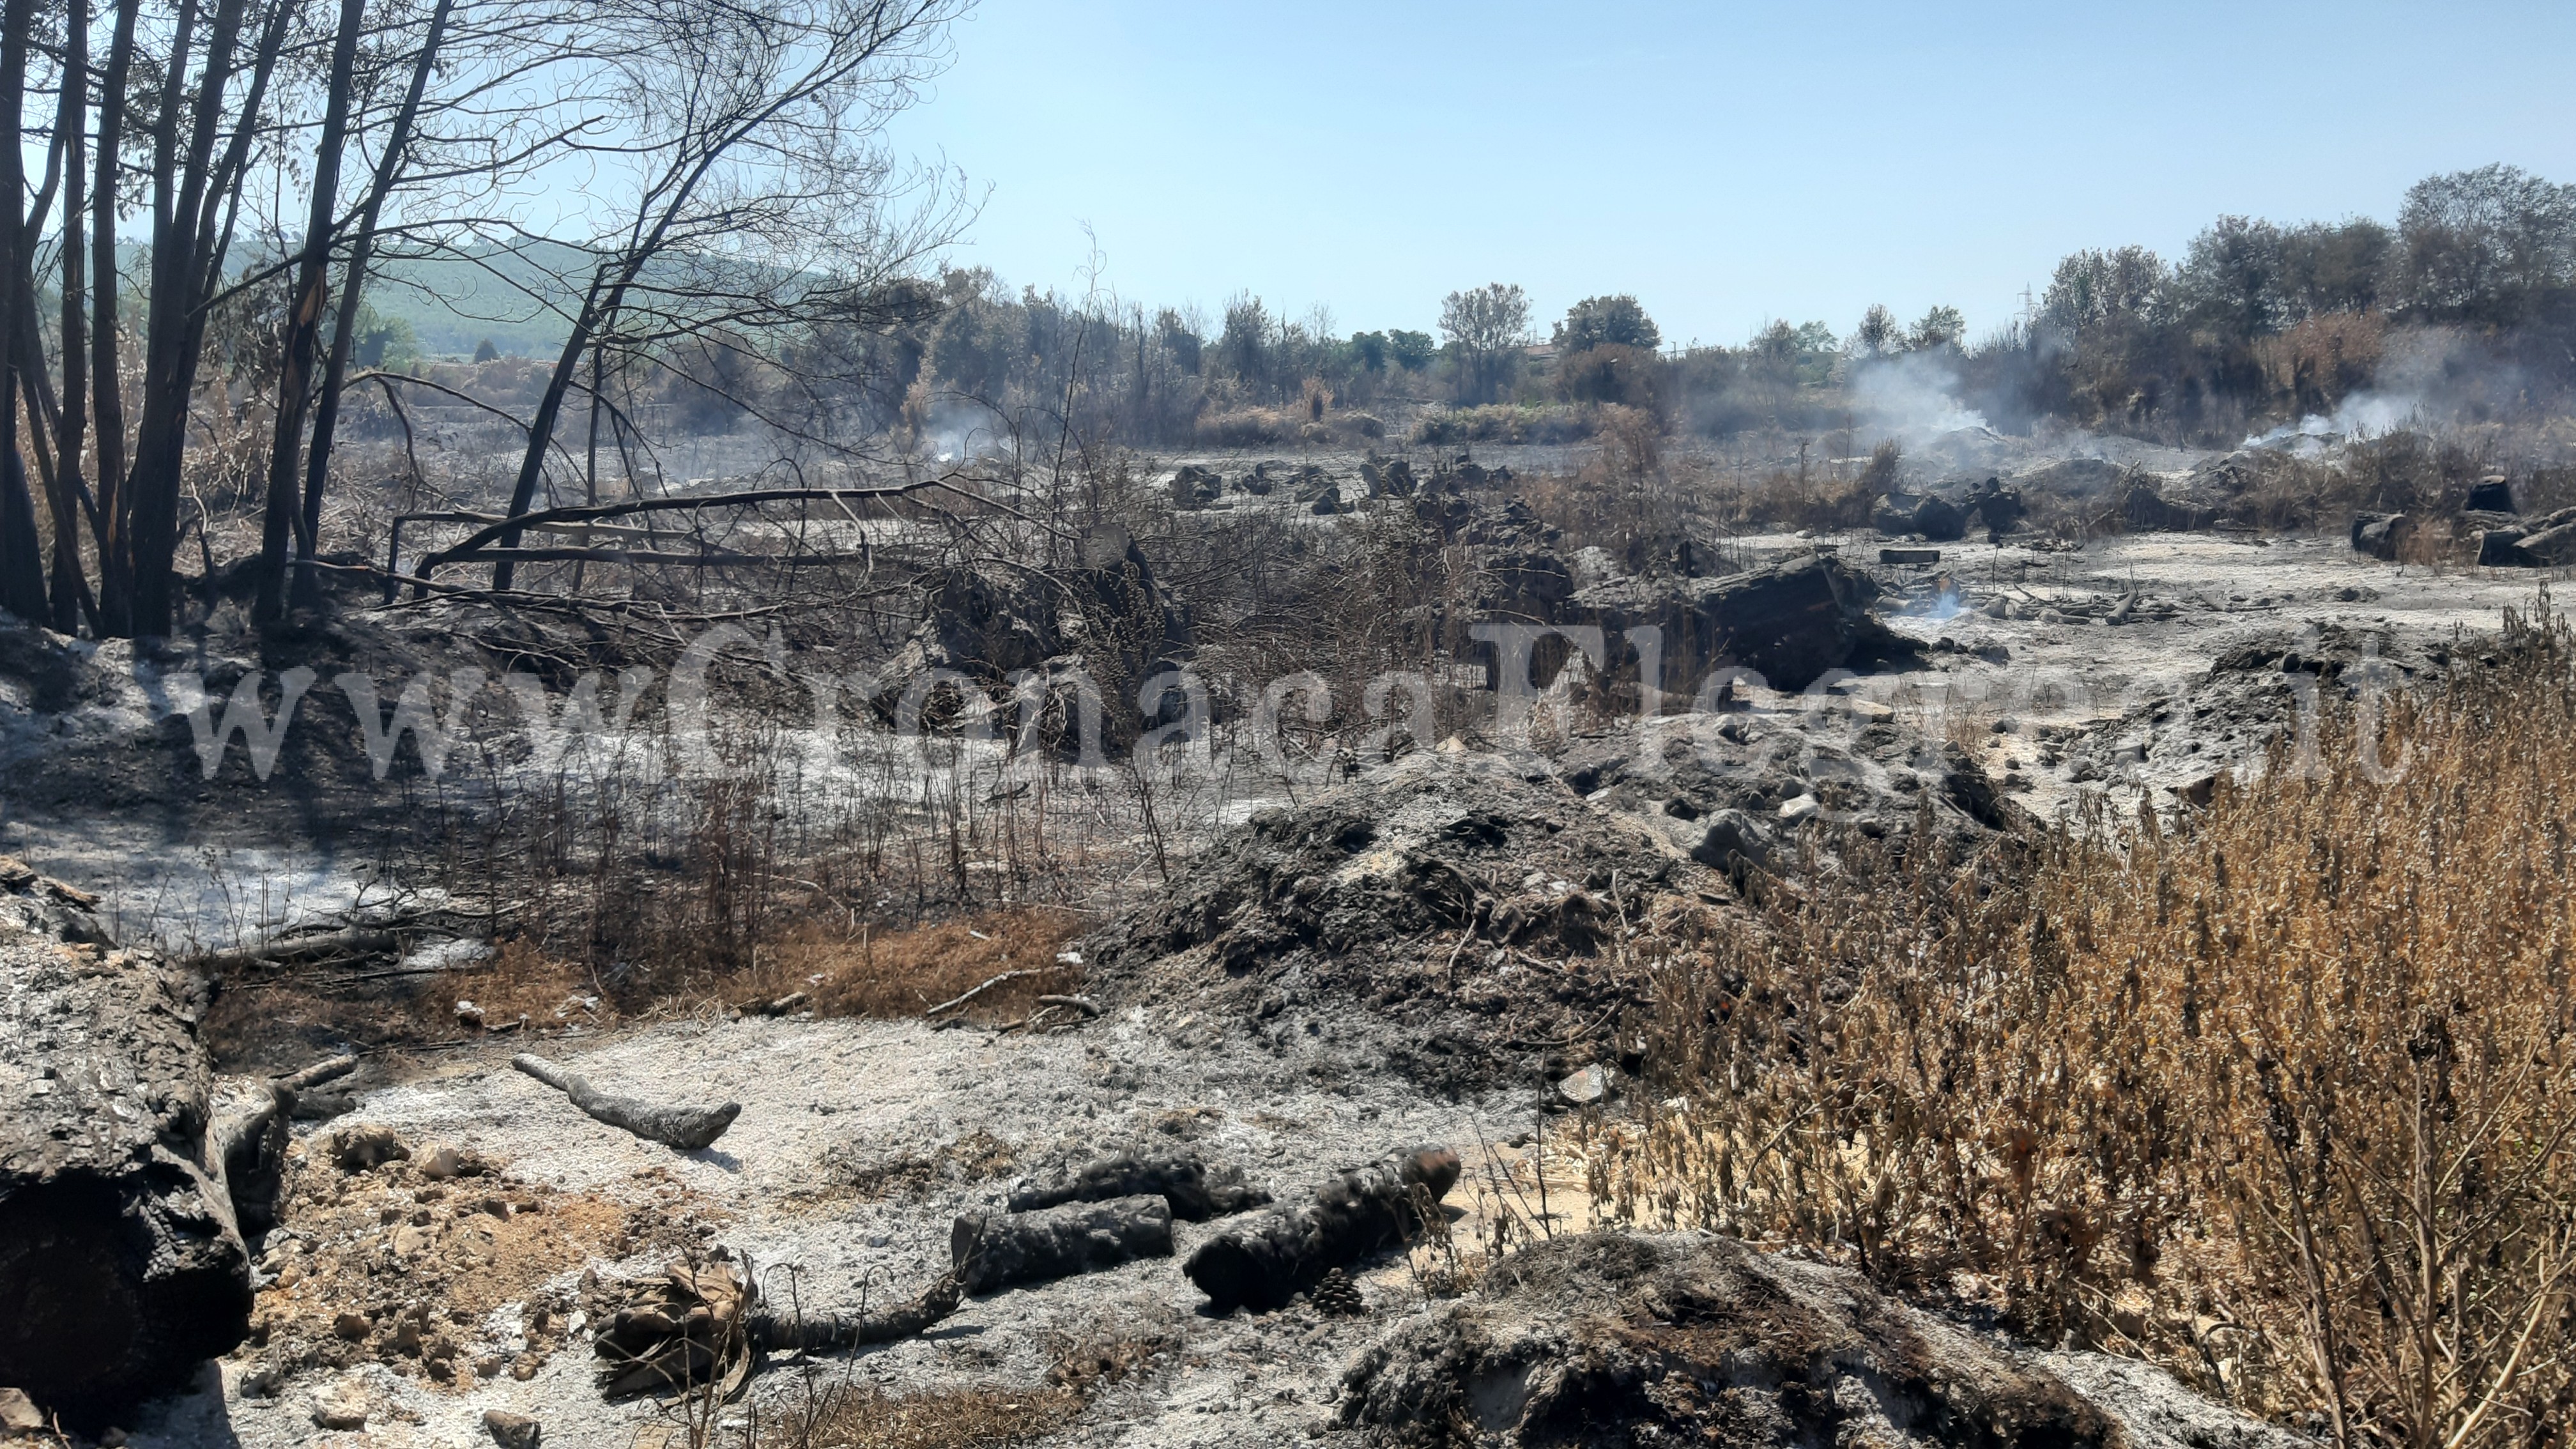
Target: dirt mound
column 2253, row 695
column 1736, row 788
column 1791, row 621
column 1610, row 1338
column 436, row 1266
column 1477, row 906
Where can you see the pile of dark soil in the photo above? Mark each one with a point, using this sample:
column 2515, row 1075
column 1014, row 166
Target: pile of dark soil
column 1608, row 1338
column 1479, row 910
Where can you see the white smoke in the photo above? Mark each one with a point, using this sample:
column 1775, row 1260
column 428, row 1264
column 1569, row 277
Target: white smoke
column 2362, row 416
column 1911, row 397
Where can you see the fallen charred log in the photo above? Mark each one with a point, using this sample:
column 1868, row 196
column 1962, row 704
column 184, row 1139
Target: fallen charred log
column 1275, row 1255
column 994, row 1250
column 1197, row 1190
column 686, row 1128
column 704, row 1326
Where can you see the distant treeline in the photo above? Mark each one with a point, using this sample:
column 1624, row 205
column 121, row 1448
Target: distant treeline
column 2470, row 295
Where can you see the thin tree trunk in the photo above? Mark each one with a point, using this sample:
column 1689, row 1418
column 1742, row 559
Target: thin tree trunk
column 541, row 428
column 22, row 562
column 304, row 322
column 187, row 258
column 71, row 589
column 112, row 521
column 344, row 329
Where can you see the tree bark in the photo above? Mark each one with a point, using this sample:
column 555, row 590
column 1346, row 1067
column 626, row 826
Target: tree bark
column 22, row 560
column 71, row 586
column 353, row 281
column 1197, row 1190
column 995, row 1250
column 112, row 521
column 285, row 515
column 188, row 253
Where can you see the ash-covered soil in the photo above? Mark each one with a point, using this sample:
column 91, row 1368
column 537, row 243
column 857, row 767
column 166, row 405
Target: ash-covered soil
column 1425, row 952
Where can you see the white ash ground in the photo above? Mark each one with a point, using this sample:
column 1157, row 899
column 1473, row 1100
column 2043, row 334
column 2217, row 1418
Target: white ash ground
column 192, row 865
column 823, row 1097
column 827, row 1100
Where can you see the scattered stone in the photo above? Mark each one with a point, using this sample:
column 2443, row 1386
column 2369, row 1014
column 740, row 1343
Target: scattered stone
column 364, row 1147
column 352, row 1326
column 512, row 1431
column 1801, row 810
column 438, row 1162
column 2490, row 494
column 19, row 1414
column 469, row 1016
column 1588, row 1086
column 1790, row 621
column 1934, row 517
column 341, row 1406
column 2380, row 535
column 1195, row 486
column 2501, row 548
column 1732, row 836
column 2551, row 543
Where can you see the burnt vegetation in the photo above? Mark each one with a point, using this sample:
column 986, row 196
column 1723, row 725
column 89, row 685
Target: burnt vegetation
column 1490, row 702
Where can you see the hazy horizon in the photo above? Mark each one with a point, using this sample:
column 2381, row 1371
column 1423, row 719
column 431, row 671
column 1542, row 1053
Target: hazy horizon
column 1727, row 167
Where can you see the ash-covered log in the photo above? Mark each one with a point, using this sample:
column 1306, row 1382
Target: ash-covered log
column 684, row 1127
column 1197, row 1189
column 995, row 1250
column 1272, row 1256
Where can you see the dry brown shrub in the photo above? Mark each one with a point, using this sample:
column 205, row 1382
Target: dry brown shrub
column 903, row 972
column 2323, row 359
column 2282, row 1098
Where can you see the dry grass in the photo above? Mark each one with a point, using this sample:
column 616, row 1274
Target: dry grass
column 2281, row 1098
column 954, row 1419
column 902, row 972
column 844, row 1414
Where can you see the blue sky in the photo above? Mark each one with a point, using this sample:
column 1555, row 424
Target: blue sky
column 1725, row 163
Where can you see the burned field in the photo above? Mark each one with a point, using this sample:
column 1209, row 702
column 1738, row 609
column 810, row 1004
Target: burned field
column 1055, row 1016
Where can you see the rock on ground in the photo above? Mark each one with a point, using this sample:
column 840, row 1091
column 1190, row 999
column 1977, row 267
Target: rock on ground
column 120, row 1256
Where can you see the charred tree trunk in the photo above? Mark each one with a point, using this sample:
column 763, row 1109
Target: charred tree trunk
column 353, row 281
column 111, row 521
column 994, row 1250
column 22, row 559
column 286, row 516
column 193, row 199
column 71, row 586
column 1276, row 1254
